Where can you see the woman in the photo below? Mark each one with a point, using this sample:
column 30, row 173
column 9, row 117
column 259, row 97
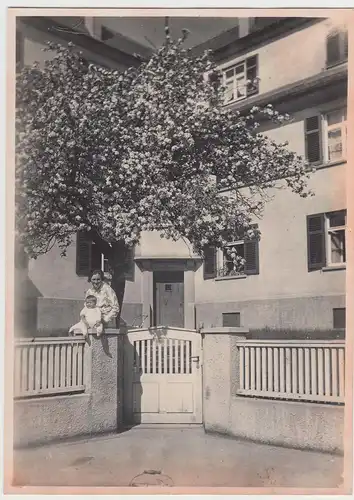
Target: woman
column 106, row 298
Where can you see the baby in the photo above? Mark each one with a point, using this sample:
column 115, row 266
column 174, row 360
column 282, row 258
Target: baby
column 90, row 317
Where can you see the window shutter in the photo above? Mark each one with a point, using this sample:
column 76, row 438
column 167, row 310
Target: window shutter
column 130, row 265
column 252, row 256
column 333, row 49
column 313, row 145
column 251, row 74
column 316, row 255
column 209, row 263
column 83, row 254
column 96, row 257
column 345, row 45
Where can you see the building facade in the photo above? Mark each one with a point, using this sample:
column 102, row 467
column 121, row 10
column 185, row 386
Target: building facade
column 294, row 277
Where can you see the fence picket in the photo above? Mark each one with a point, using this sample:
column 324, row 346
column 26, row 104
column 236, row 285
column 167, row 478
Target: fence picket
column 253, row 367
column 48, row 366
column 297, row 370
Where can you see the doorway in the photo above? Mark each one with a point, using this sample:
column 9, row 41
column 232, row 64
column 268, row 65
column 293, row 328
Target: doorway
column 169, row 298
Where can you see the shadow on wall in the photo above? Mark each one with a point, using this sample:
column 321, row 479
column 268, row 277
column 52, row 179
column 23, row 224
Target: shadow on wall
column 25, row 304
column 133, row 388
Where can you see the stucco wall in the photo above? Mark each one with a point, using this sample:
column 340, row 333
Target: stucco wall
column 55, row 277
column 283, row 269
column 291, row 313
column 54, row 313
column 98, row 410
column 35, row 40
column 299, row 425
column 299, row 54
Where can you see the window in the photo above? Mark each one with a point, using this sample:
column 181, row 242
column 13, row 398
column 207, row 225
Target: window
column 238, row 258
column 337, row 48
column 326, row 137
column 239, row 80
column 326, row 240
column 233, row 259
column 89, row 257
column 231, row 319
column 339, row 318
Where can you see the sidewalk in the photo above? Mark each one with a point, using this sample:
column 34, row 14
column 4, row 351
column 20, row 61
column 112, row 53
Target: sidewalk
column 175, row 457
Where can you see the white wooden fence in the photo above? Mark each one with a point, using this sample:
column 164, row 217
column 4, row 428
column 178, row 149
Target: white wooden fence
column 293, row 370
column 48, row 366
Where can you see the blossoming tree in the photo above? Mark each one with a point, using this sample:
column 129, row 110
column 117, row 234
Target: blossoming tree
column 117, row 153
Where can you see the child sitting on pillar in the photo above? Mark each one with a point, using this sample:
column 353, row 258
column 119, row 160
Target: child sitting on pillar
column 90, row 317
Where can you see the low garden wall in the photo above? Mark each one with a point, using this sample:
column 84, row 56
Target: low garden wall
column 56, row 406
column 272, row 420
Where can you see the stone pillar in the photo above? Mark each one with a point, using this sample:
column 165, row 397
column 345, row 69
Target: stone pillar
column 220, row 374
column 189, row 295
column 104, row 381
column 147, row 297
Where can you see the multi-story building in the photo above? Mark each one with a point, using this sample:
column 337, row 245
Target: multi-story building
column 294, row 277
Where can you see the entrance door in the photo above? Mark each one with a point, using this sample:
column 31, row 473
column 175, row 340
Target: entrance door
column 169, row 298
column 163, row 376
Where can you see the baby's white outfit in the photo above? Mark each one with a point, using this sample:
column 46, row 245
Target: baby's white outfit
column 92, row 316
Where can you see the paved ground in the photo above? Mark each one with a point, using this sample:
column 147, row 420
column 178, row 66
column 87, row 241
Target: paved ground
column 176, row 457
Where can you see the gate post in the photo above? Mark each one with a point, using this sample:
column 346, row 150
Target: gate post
column 106, row 367
column 220, row 374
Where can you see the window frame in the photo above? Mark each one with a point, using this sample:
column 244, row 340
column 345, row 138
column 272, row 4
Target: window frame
column 342, row 46
column 246, row 86
column 323, row 131
column 248, row 244
column 328, row 230
column 321, row 233
column 222, row 260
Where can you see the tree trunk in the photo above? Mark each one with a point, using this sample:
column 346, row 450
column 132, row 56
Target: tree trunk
column 118, row 264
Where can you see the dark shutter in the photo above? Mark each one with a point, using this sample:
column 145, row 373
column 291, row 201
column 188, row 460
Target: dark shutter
column 251, row 257
column 313, row 146
column 83, row 254
column 251, row 74
column 345, row 45
column 209, row 262
column 130, row 265
column 96, row 257
column 316, row 252
column 333, row 49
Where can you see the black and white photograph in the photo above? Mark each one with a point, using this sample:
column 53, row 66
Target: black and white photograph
column 180, row 247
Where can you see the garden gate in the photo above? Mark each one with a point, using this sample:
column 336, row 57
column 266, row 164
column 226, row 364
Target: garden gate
column 163, row 376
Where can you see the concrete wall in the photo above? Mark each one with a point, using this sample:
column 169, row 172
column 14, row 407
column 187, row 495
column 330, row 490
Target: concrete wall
column 288, row 313
column 97, row 410
column 299, row 54
column 54, row 313
column 298, row 425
